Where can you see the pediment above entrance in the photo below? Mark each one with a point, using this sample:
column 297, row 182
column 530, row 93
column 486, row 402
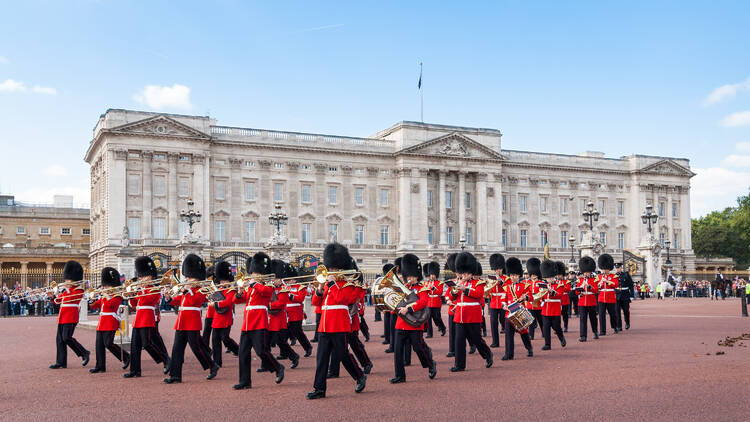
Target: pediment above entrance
column 160, row 126
column 453, row 145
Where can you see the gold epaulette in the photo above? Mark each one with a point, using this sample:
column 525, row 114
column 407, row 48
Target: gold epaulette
column 424, row 289
column 480, row 282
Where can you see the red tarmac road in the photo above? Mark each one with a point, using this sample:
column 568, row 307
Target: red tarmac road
column 664, row 368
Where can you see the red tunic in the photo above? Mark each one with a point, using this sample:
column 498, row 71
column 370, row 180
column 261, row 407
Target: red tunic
column 470, row 303
column 450, row 297
column 189, row 315
column 497, row 293
column 420, row 304
column 513, row 291
column 587, row 297
column 277, row 320
column 607, row 284
column 146, row 308
column 566, row 289
column 256, row 299
column 224, row 320
column 295, row 309
column 69, row 305
column 533, row 289
column 108, row 319
column 552, row 303
column 335, row 308
column 435, row 293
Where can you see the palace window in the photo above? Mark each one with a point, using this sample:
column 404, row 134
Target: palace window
column 182, row 228
column 333, row 232
column 602, row 207
column 250, row 231
column 543, row 238
column 523, row 237
column 505, row 237
column 359, row 234
column 66, row 231
column 674, row 209
column 220, row 231
column 160, row 185
column 306, row 194
column 522, row 203
column 430, row 235
column 134, row 227
column 504, row 202
column 661, row 209
column 160, row 227
column 543, row 204
column 468, row 236
column 429, row 199
column 563, row 205
column 662, row 238
column 249, row 191
column 564, row 239
column 676, row 240
column 449, row 235
column 44, row 231
column 621, row 240
column 220, row 190
column 278, row 192
column 384, row 235
column 134, row 184
column 332, row 193
column 359, row 196
column 86, row 232
column 467, row 200
column 603, row 238
column 306, row 232
column 448, row 199
column 183, row 187
column 383, row 197
column 620, row 208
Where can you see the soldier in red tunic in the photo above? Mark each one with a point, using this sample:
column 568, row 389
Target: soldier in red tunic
column 210, row 312
column 109, row 323
column 412, row 271
column 387, row 315
column 144, row 334
column 221, row 323
column 608, row 283
column 586, row 290
column 335, row 322
column 515, row 292
column 296, row 314
column 277, row 321
column 188, row 324
column 551, row 304
column 535, row 307
column 565, row 299
column 256, row 296
column 468, row 314
column 69, row 299
column 497, row 297
column 435, row 298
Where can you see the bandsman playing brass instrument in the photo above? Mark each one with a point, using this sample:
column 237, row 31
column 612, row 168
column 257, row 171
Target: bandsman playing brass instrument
column 535, row 307
column 277, row 321
column 451, row 296
column 69, row 298
column 586, row 290
column 296, row 314
column 109, row 322
column 565, row 299
column 468, row 315
column 608, row 283
column 434, row 302
column 496, row 293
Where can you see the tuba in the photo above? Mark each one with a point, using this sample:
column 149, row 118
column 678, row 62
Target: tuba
column 390, row 293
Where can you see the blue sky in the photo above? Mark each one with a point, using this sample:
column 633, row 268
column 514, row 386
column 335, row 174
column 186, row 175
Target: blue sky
column 659, row 78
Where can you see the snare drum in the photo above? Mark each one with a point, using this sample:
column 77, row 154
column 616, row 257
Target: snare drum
column 519, row 316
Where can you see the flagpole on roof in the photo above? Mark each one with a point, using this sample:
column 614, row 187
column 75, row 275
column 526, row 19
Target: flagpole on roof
column 421, row 95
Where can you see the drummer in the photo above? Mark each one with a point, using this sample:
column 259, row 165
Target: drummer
column 515, row 293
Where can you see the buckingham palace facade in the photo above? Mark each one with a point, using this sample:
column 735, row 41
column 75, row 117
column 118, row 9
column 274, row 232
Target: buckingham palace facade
column 412, row 187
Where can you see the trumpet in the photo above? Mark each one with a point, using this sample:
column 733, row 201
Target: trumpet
column 134, row 289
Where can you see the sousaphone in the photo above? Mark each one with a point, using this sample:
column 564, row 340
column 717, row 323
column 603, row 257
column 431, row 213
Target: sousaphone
column 390, row 293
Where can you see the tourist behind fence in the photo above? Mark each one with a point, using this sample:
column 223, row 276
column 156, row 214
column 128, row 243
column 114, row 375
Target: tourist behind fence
column 70, row 296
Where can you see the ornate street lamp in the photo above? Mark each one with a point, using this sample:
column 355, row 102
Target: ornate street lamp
column 462, row 243
column 572, row 241
column 190, row 216
column 649, row 218
column 277, row 218
column 668, row 262
column 590, row 215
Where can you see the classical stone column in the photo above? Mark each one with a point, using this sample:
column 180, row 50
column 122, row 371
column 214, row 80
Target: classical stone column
column 234, row 230
column 440, row 203
column 685, row 217
column 668, row 214
column 24, row 274
column 461, row 204
column 497, row 211
column 404, row 208
column 200, row 193
column 173, row 223
column 420, row 209
column 481, row 204
column 147, row 184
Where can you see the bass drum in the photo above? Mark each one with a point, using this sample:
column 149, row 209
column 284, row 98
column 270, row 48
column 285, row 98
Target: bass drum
column 415, row 319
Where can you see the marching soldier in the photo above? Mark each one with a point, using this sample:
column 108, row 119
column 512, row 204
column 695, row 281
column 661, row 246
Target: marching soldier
column 221, row 323
column 607, row 283
column 412, row 270
column 535, row 307
column 434, row 301
column 572, row 278
column 210, row 312
column 497, row 297
column 387, row 316
column 565, row 297
column 468, row 315
column 587, row 290
column 69, row 299
column 515, row 292
column 551, row 305
column 144, row 334
column 188, row 324
column 109, row 323
column 277, row 321
column 335, row 322
column 451, row 296
column 295, row 314
column 624, row 294
column 392, row 329
column 257, row 297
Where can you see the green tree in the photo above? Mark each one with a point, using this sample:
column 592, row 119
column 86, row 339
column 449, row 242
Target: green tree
column 724, row 233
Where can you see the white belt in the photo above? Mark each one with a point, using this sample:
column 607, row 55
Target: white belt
column 332, row 307
column 607, row 290
column 588, row 293
column 468, row 304
column 255, row 307
column 498, row 294
column 623, row 288
column 189, row 308
column 115, row 315
column 433, row 296
column 552, row 300
column 68, row 305
column 138, row 308
column 289, row 305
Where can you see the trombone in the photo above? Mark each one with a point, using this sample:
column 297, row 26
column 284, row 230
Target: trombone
column 134, row 289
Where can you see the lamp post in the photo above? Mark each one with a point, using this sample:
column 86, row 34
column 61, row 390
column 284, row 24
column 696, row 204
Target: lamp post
column 572, row 241
column 277, row 218
column 191, row 217
column 649, row 218
column 668, row 262
column 462, row 243
column 590, row 215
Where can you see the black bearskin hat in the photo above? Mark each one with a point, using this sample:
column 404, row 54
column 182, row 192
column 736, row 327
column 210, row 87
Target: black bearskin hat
column 450, row 262
column 513, row 266
column 397, row 263
column 387, row 267
column 560, row 267
column 222, row 272
column 259, row 264
column 73, row 271
column 465, row 263
column 433, row 268
column 606, row 262
column 110, row 277
column 194, row 267
column 586, row 264
column 548, row 269
column 411, row 267
column 497, row 262
column 211, row 272
column 145, row 267
column 336, row 256
column 533, row 267
column 291, row 271
column 278, row 267
column 478, row 269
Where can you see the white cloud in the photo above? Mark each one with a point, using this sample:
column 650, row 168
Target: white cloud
column 11, row 85
column 743, row 146
column 727, row 91
column 55, row 170
column 740, row 118
column 44, row 90
column 160, row 97
column 81, row 195
column 716, row 188
column 736, row 160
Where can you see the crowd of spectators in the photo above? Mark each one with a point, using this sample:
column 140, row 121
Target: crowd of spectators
column 26, row 302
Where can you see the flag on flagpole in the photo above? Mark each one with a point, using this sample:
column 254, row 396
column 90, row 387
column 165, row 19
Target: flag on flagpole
column 419, row 83
column 546, row 250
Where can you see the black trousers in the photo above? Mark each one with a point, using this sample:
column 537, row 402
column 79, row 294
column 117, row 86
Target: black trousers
column 257, row 340
column 496, row 315
column 106, row 340
column 420, row 347
column 358, row 350
column 281, row 339
column 510, row 339
column 363, row 327
column 377, row 315
column 295, row 331
column 333, row 344
column 158, row 350
column 181, row 339
column 437, row 317
column 610, row 308
column 590, row 312
column 317, row 325
column 471, row 332
column 552, row 322
column 219, row 336
column 451, row 334
column 207, row 330
column 143, row 338
column 537, row 321
column 394, row 318
column 565, row 315
column 387, row 327
column 64, row 340
column 623, row 309
column 574, row 304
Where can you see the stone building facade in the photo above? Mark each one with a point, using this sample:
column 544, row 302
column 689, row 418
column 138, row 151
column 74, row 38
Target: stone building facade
column 412, row 187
